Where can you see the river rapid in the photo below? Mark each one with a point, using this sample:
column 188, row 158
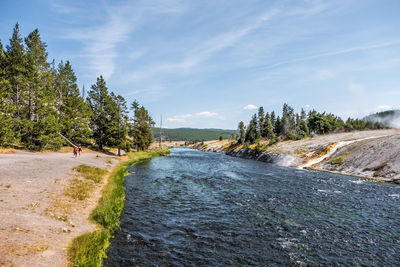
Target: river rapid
column 193, row 208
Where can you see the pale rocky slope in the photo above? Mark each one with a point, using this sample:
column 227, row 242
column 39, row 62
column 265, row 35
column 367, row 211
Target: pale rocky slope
column 370, row 154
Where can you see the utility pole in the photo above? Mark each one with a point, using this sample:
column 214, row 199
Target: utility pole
column 119, row 131
column 160, row 131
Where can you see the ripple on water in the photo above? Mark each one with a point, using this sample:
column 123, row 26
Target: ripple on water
column 206, row 209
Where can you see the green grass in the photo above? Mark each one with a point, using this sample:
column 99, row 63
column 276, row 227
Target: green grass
column 89, row 249
column 340, row 159
column 91, row 173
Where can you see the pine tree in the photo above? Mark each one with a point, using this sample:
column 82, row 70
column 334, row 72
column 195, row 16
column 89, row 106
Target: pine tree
column 104, row 119
column 141, row 132
column 16, row 73
column 269, row 130
column 7, row 134
column 261, row 122
column 242, row 132
column 288, row 122
column 74, row 113
column 278, row 126
column 273, row 118
column 251, row 132
column 123, row 124
column 40, row 125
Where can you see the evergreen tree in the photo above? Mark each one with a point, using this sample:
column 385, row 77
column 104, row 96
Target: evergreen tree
column 288, row 122
column 273, row 118
column 261, row 122
column 278, row 126
column 39, row 123
column 269, row 130
column 242, row 132
column 7, row 134
column 74, row 113
column 104, row 119
column 123, row 124
column 267, row 118
column 251, row 132
column 141, row 131
column 16, row 73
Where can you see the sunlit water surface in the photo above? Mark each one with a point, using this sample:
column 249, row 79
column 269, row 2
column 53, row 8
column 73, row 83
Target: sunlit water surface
column 207, row 209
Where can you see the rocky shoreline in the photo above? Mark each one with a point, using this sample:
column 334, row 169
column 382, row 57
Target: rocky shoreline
column 368, row 154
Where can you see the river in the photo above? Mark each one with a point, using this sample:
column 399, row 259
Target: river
column 194, row 208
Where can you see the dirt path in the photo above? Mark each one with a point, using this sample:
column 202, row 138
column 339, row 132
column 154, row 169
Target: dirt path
column 37, row 219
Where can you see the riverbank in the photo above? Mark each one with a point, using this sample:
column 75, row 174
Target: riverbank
column 89, row 249
column 45, row 202
column 369, row 154
column 39, row 215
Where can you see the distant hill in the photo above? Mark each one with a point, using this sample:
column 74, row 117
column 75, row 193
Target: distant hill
column 389, row 118
column 192, row 134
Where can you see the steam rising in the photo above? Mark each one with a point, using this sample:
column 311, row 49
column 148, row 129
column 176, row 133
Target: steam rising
column 390, row 118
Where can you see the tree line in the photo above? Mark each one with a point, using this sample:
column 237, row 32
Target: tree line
column 40, row 100
column 295, row 126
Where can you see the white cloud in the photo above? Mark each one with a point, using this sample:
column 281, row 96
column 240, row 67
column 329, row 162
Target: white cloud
column 176, row 120
column 100, row 42
column 250, row 107
column 179, row 118
column 182, row 118
column 332, row 53
column 206, row 49
column 206, row 114
column 307, row 106
column 383, row 107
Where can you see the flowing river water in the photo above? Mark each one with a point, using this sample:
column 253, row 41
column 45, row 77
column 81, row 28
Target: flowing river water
column 194, row 208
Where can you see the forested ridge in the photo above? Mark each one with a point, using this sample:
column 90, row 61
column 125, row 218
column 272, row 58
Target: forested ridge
column 39, row 100
column 192, row 134
column 294, row 126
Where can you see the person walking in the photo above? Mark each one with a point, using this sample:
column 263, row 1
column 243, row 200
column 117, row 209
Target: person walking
column 75, row 151
column 79, row 150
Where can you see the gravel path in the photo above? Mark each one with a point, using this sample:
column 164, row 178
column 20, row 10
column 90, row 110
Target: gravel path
column 37, row 220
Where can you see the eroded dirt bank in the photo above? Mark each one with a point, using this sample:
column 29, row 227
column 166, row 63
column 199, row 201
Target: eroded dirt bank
column 38, row 218
column 370, row 154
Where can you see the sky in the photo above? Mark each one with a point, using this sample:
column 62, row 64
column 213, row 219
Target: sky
column 212, row 63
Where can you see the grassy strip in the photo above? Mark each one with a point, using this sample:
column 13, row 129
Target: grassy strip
column 89, row 249
column 91, row 173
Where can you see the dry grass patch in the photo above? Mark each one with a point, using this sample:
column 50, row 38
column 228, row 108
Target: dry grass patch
column 27, row 249
column 79, row 189
column 91, row 173
column 6, row 150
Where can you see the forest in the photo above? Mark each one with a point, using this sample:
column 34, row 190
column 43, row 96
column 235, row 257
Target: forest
column 296, row 126
column 192, row 134
column 40, row 103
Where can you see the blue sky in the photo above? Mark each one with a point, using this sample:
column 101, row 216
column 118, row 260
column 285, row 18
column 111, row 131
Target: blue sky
column 209, row 63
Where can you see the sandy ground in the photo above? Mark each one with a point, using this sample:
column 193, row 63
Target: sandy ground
column 37, row 219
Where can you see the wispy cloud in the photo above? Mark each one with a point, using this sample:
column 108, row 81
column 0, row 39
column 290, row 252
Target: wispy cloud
column 250, row 107
column 100, row 43
column 332, row 53
column 62, row 8
column 206, row 49
column 182, row 118
column 206, row 114
column 383, row 107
